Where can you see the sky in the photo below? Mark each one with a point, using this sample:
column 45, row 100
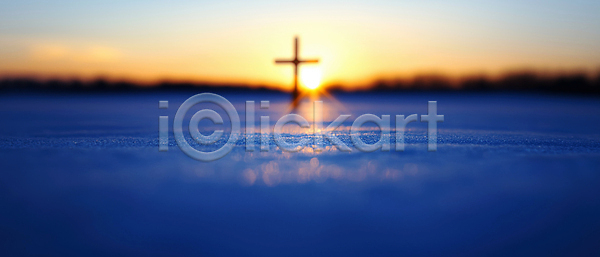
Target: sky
column 237, row 41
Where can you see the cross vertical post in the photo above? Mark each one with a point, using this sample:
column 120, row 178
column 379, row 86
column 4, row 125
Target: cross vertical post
column 296, row 61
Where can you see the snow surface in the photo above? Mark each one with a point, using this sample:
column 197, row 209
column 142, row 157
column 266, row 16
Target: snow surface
column 514, row 174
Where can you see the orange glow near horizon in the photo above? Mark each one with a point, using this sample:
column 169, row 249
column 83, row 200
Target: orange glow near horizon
column 236, row 42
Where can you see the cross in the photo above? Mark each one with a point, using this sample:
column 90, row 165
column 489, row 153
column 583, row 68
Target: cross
column 296, row 61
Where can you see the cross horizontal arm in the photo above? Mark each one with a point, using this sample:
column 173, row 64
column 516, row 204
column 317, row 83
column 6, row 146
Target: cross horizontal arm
column 310, row 61
column 284, row 61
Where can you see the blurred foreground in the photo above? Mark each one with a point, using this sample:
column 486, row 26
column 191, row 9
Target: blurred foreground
column 514, row 174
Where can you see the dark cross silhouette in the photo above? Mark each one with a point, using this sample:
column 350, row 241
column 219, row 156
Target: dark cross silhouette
column 296, row 61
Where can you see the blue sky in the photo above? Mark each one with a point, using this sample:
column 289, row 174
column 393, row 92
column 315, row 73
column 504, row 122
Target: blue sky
column 237, row 40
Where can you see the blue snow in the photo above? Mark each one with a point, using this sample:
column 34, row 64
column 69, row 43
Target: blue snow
column 514, row 175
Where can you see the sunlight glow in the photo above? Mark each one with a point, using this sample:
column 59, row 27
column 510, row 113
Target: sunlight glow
column 311, row 77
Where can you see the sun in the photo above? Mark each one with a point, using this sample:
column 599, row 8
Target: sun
column 311, row 77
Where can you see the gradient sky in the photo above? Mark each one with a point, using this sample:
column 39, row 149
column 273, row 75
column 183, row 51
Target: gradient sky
column 237, row 41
